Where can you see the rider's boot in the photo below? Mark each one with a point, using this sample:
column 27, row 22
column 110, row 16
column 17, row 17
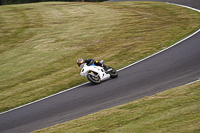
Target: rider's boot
column 105, row 67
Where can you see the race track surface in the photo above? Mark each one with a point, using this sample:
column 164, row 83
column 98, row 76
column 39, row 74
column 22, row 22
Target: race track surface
column 174, row 67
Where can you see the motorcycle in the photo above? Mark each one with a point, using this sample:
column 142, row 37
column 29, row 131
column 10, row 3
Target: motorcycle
column 96, row 74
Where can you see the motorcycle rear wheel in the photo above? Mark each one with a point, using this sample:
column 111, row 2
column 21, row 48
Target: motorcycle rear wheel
column 113, row 73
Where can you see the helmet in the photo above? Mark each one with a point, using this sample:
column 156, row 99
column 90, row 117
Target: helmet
column 79, row 62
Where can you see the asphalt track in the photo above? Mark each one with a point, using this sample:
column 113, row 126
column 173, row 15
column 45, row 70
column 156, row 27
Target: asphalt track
column 176, row 66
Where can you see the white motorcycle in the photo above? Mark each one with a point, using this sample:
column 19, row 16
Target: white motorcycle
column 96, row 74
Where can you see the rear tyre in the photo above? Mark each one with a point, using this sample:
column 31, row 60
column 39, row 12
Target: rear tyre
column 113, row 73
column 94, row 78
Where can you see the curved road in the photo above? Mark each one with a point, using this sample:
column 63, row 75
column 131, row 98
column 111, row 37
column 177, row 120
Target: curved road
column 174, row 67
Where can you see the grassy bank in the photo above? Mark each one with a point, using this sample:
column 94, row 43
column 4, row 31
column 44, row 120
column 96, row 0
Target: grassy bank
column 40, row 43
column 176, row 110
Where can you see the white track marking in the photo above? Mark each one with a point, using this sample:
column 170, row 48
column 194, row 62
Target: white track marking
column 119, row 69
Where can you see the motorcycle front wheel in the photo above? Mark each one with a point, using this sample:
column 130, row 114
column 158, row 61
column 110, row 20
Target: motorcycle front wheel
column 94, row 78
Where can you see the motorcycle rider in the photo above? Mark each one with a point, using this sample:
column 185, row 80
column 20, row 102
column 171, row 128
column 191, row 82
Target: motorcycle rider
column 81, row 62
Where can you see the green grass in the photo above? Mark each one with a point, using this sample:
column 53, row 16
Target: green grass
column 176, row 110
column 40, row 43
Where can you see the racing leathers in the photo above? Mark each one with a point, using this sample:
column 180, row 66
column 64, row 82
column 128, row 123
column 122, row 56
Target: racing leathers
column 97, row 63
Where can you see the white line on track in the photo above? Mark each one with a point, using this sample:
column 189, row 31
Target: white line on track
column 193, row 81
column 171, row 45
column 160, row 51
column 119, row 69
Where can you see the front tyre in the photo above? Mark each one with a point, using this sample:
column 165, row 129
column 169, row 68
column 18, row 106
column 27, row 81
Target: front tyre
column 94, row 78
